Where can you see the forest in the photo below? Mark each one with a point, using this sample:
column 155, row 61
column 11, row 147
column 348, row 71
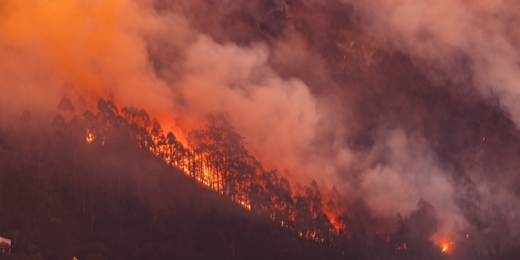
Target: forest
column 109, row 184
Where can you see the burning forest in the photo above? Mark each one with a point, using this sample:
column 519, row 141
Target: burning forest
column 283, row 129
column 216, row 158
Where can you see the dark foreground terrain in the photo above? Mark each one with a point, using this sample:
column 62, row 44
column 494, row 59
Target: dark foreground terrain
column 61, row 198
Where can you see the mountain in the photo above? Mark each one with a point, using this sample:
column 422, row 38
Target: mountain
column 61, row 197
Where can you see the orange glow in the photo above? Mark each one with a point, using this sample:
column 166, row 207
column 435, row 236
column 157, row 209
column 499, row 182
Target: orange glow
column 90, row 49
column 90, row 137
column 96, row 47
column 446, row 246
column 208, row 177
column 207, row 168
column 70, row 31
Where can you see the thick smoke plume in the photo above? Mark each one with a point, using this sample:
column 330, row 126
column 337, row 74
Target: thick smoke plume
column 113, row 49
column 474, row 41
column 399, row 104
column 90, row 48
column 468, row 48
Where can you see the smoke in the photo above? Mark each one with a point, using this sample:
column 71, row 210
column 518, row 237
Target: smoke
column 264, row 107
column 101, row 49
column 459, row 45
column 410, row 172
column 393, row 102
column 457, row 37
column 91, row 49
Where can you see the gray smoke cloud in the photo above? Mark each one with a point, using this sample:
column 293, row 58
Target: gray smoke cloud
column 469, row 45
column 482, row 32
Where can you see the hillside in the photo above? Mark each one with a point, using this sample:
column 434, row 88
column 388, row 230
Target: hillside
column 253, row 129
column 62, row 197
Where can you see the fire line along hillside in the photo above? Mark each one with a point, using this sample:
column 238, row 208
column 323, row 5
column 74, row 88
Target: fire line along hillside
column 85, row 188
column 216, row 158
column 110, row 184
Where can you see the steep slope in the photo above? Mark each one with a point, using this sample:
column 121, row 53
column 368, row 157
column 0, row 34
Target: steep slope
column 61, row 197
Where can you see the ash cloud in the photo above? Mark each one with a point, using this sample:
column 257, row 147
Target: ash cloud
column 394, row 103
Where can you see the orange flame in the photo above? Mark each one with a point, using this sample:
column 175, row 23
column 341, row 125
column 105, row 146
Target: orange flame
column 446, row 246
column 90, row 137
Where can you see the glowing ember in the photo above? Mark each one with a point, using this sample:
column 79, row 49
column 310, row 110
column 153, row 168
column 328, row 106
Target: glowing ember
column 445, row 247
column 401, row 247
column 90, row 137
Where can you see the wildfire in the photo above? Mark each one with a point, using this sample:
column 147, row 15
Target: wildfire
column 217, row 159
column 446, row 246
column 90, row 137
column 208, row 177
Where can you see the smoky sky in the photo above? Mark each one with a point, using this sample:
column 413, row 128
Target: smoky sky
column 392, row 102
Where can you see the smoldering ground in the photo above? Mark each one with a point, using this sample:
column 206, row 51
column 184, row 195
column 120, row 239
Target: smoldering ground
column 390, row 102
